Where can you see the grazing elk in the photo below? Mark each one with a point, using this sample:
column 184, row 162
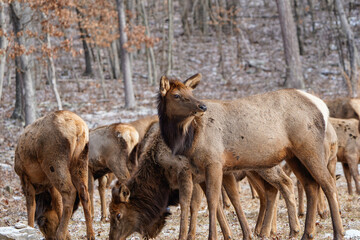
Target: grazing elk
column 52, row 156
column 250, row 133
column 349, row 149
column 109, row 152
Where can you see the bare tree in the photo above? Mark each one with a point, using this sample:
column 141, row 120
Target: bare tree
column 125, row 61
column 83, row 35
column 51, row 66
column 294, row 75
column 352, row 50
column 149, row 50
column 3, row 45
column 21, row 15
column 170, row 36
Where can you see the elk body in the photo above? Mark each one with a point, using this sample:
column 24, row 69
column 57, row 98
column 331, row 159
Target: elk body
column 109, row 150
column 51, row 159
column 349, row 149
column 250, row 133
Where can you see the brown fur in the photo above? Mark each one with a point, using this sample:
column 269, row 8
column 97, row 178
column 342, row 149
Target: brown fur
column 52, row 155
column 344, row 108
column 249, row 133
column 113, row 149
column 158, row 175
column 349, row 149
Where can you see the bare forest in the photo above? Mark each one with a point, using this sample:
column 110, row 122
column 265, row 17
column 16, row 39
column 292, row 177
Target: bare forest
column 102, row 59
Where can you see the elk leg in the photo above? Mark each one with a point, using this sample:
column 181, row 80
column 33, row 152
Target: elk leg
column 301, row 198
column 280, row 180
column 91, row 191
column 224, row 225
column 274, row 220
column 56, row 201
column 322, row 176
column 312, row 191
column 229, row 183
column 213, row 177
column 79, row 175
column 254, row 194
column 102, row 186
column 194, row 210
column 354, row 171
column 347, row 177
column 29, row 192
column 258, row 184
column 185, row 192
column 321, row 206
column 271, row 194
column 225, row 198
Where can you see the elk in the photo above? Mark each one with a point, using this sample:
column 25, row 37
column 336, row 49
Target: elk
column 349, row 149
column 109, row 152
column 52, row 156
column 157, row 153
column 344, row 108
column 249, row 133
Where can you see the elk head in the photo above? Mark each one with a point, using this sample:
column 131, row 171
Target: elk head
column 48, row 224
column 177, row 108
column 180, row 102
column 122, row 216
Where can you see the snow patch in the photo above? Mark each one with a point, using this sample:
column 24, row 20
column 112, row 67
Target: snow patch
column 352, row 234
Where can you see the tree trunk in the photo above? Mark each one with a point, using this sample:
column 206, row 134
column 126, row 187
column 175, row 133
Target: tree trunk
column 3, row 44
column 299, row 19
column 352, row 51
column 18, row 112
column 170, row 37
column 87, row 55
column 21, row 16
column 125, row 61
column 149, row 51
column 116, row 59
column 101, row 72
column 294, row 75
column 51, row 69
column 184, row 17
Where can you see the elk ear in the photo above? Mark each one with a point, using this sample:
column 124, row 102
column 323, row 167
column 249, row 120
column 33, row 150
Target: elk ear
column 193, row 81
column 124, row 193
column 164, row 85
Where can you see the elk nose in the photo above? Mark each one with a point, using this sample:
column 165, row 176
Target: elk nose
column 202, row 107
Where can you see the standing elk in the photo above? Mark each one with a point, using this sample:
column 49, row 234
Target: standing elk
column 349, row 149
column 51, row 157
column 109, row 152
column 249, row 133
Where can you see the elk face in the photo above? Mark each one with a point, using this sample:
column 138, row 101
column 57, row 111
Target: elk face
column 123, row 218
column 48, row 224
column 179, row 99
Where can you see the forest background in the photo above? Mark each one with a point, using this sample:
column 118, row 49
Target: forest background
column 102, row 59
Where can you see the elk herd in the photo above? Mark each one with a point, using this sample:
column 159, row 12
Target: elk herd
column 192, row 147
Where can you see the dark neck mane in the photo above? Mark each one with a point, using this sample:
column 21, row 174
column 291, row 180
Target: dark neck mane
column 149, row 196
column 177, row 135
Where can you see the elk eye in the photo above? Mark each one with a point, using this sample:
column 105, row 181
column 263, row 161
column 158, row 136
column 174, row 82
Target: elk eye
column 176, row 96
column 119, row 216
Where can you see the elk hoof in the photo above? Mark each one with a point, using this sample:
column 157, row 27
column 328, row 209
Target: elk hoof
column 301, row 215
column 324, row 214
column 311, row 236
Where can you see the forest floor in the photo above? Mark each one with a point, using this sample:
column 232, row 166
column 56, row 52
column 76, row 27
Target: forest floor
column 260, row 69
